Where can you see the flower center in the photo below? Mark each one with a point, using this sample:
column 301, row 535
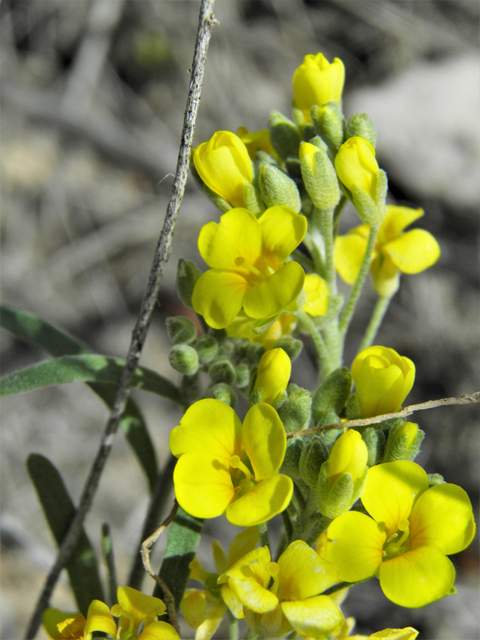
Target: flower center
column 255, row 275
column 242, row 485
column 397, row 543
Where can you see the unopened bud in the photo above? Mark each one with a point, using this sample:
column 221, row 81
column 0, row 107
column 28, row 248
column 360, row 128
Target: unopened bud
column 222, row 371
column 183, row 359
column 332, row 394
column 319, row 176
column 313, row 456
column 276, row 188
column 242, row 375
column 403, row 442
column 330, row 124
column 293, row 453
column 291, row 346
column 207, row 348
column 187, row 275
column 181, row 330
column 295, row 412
column 222, row 392
column 284, row 135
column 374, row 439
column 361, row 125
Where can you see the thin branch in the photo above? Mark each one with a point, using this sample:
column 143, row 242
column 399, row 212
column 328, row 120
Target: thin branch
column 139, row 334
column 365, row 422
column 145, row 551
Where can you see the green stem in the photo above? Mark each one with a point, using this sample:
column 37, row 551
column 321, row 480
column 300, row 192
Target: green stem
column 232, row 626
column 318, row 343
column 357, row 287
column 316, row 254
column 263, row 532
column 375, row 321
column 337, row 212
column 326, row 218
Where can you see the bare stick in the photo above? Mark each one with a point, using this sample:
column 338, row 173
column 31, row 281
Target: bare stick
column 145, row 551
column 139, row 333
column 365, row 422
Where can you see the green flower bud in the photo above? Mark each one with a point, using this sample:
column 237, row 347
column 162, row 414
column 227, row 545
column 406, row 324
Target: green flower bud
column 319, row 176
column 374, row 438
column 361, row 125
column 284, row 135
column 254, row 352
column 222, row 371
column 207, row 348
column 253, row 199
column 187, row 275
column 312, row 457
column 292, row 167
column 295, row 412
column 222, row 392
column 183, row 359
column 330, row 436
column 353, row 410
column 403, row 442
column 291, row 346
column 343, row 475
column 330, row 124
column 181, row 330
column 435, row 478
column 332, row 394
column 242, row 375
column 277, row 188
column 293, row 453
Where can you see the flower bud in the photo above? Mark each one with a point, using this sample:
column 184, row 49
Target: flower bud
column 222, row 392
column 435, row 478
column 332, row 394
column 207, row 348
column 181, row 330
column 187, row 275
column 374, row 438
column 254, row 352
column 295, row 412
column 317, row 81
column 293, row 453
column 284, row 135
column 342, row 477
column 224, row 166
column 366, row 184
column 253, row 199
column 183, row 359
column 330, row 124
column 352, row 408
column 242, row 375
column 313, row 456
column 361, row 125
column 273, row 374
column 382, row 380
column 403, row 442
column 276, row 188
column 319, row 176
column 291, row 346
column 222, row 371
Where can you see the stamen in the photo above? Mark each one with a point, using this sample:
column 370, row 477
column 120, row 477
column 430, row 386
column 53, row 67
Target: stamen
column 236, row 463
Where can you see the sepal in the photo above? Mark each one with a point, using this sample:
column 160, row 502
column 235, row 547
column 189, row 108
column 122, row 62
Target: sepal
column 293, row 453
column 403, row 442
column 295, row 412
column 361, row 125
column 313, row 456
column 332, row 394
column 187, row 275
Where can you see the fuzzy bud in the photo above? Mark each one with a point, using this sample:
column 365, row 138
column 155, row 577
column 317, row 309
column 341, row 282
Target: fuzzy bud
column 330, row 124
column 222, row 371
column 222, row 392
column 403, row 442
column 207, row 348
column 284, row 135
column 295, row 412
column 276, row 188
column 181, row 330
column 187, row 275
column 313, row 456
column 183, row 359
column 332, row 394
column 319, row 176
column 361, row 125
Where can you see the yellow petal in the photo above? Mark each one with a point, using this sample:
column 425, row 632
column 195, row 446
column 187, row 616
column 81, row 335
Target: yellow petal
column 273, row 374
column 348, row 256
column 302, row 573
column 316, row 290
column 242, row 544
column 355, row 544
column 282, row 231
column 394, row 634
column 237, row 236
column 349, row 454
column 210, row 426
column 356, row 165
column 218, row 296
column 203, row 484
column 442, row 517
column 385, row 275
column 138, row 605
column 416, row 578
column 215, row 616
column 395, row 221
column 391, row 490
column 159, row 631
column 99, row 618
column 413, row 252
column 194, row 607
column 252, row 565
column 253, row 595
column 314, row 616
column 261, row 503
column 275, row 294
column 232, row 602
column 72, row 623
column 264, row 440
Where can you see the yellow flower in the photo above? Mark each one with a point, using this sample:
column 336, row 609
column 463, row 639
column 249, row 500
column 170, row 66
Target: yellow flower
column 256, row 141
column 406, row 541
column 409, row 633
column 227, row 467
column 249, row 269
column 317, row 81
column 224, row 166
column 395, row 252
column 134, row 608
column 273, row 374
column 60, row 624
column 382, row 380
column 204, row 609
column 283, row 596
column 357, row 167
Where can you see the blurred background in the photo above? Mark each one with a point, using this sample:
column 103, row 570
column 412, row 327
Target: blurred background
column 92, row 102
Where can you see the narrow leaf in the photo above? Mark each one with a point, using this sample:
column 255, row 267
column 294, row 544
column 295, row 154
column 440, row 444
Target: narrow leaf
column 59, row 511
column 182, row 543
column 58, row 343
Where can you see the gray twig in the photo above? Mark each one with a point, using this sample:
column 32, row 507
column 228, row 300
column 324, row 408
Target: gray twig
column 139, row 333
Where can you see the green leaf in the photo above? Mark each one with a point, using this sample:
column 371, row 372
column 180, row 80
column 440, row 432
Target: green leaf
column 85, row 368
column 182, row 543
column 59, row 510
column 58, row 343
